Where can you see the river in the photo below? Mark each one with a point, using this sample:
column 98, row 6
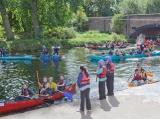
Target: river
column 14, row 73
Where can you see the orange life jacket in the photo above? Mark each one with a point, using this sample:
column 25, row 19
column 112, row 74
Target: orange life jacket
column 85, row 79
column 103, row 74
column 110, row 68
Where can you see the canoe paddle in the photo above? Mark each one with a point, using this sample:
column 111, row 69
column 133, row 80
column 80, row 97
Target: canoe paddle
column 37, row 73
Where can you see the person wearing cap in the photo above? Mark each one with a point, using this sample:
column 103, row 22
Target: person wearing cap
column 110, row 75
column 101, row 75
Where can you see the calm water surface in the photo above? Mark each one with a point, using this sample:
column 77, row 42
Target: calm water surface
column 13, row 73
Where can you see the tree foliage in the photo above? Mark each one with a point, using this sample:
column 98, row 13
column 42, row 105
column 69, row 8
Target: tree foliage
column 117, row 23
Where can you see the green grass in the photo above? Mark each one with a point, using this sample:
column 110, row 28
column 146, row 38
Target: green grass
column 95, row 38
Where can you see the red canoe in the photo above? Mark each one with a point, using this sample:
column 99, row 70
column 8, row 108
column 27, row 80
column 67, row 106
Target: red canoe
column 21, row 105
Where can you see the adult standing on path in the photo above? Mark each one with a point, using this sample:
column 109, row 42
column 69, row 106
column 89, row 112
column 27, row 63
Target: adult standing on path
column 110, row 76
column 101, row 75
column 83, row 83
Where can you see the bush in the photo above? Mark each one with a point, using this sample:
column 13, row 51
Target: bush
column 61, row 33
column 95, row 37
column 25, row 45
column 3, row 44
column 117, row 23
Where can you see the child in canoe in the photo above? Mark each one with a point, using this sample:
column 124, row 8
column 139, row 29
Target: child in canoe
column 61, row 84
column 137, row 79
column 26, row 93
column 45, row 87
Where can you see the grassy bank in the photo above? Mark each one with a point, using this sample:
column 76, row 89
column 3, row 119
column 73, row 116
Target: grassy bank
column 80, row 39
column 95, row 37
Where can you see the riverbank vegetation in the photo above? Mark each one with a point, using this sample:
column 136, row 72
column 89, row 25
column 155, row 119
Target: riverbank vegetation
column 26, row 24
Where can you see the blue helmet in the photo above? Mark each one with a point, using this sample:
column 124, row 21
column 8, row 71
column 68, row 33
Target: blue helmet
column 108, row 58
column 101, row 62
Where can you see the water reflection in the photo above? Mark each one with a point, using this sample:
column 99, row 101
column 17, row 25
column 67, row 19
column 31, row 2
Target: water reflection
column 12, row 74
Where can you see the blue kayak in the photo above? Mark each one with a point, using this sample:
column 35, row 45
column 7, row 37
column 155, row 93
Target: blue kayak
column 25, row 57
column 115, row 58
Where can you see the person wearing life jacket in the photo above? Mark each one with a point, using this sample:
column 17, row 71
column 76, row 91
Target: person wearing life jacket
column 61, row 85
column 26, row 93
column 83, row 83
column 137, row 79
column 101, row 75
column 52, row 84
column 110, row 75
column 55, row 50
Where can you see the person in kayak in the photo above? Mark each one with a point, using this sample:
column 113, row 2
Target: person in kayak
column 117, row 53
column 137, row 79
column 56, row 50
column 46, row 87
column 147, row 52
column 111, row 52
column 61, row 85
column 52, row 84
column 83, row 82
column 44, row 50
column 101, row 75
column 26, row 93
column 110, row 75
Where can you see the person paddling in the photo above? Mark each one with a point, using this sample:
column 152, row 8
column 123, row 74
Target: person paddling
column 83, row 82
column 110, row 75
column 101, row 74
column 137, row 79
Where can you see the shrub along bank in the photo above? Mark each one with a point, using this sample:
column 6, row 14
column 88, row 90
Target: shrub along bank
column 72, row 40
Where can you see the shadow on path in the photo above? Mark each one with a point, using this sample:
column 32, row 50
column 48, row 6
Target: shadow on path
column 113, row 101
column 104, row 105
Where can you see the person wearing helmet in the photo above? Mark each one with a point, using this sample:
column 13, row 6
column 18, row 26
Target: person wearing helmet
column 101, row 75
column 110, row 75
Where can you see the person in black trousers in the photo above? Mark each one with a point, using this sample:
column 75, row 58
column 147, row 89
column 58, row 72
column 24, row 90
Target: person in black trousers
column 83, row 83
column 110, row 76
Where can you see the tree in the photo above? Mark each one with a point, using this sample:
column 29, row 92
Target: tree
column 80, row 19
column 98, row 7
column 129, row 7
column 153, row 6
column 117, row 23
column 35, row 21
column 6, row 22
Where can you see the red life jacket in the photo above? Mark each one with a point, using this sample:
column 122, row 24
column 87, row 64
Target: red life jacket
column 110, row 68
column 25, row 92
column 137, row 77
column 103, row 74
column 85, row 79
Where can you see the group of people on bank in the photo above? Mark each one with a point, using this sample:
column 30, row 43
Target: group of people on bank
column 105, row 77
column 3, row 52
